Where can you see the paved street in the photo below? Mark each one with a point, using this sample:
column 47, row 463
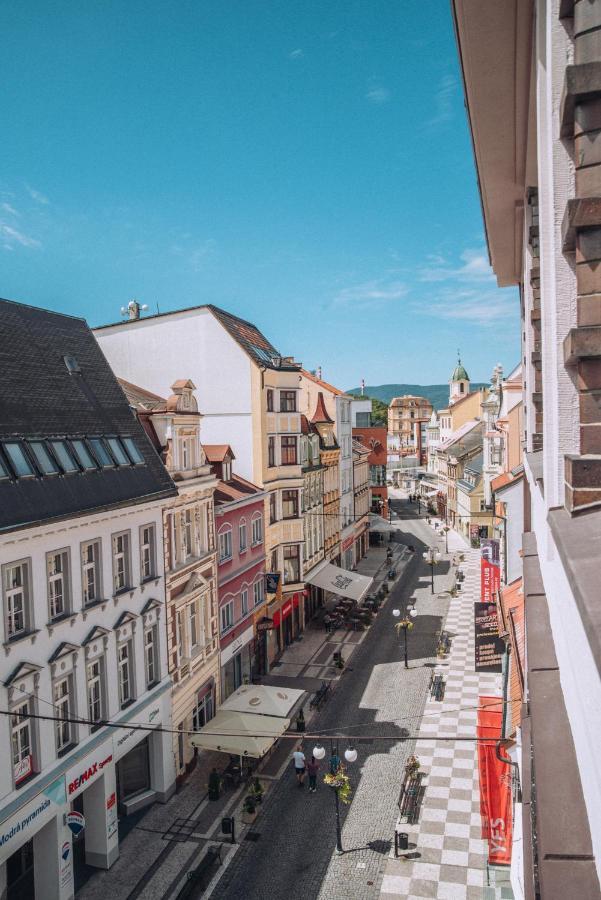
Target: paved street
column 293, row 854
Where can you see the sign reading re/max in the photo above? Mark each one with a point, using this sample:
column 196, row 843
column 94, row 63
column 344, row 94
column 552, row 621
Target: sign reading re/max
column 79, row 777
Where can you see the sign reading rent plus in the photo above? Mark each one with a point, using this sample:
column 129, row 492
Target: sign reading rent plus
column 490, row 570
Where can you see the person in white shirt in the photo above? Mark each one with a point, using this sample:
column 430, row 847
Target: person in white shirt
column 299, row 766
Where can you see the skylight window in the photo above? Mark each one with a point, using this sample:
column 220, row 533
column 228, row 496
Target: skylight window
column 65, row 459
column 118, row 451
column 133, row 452
column 83, row 455
column 45, row 462
column 20, row 463
column 4, row 473
column 101, row 453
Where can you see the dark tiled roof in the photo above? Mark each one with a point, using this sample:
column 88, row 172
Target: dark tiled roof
column 40, row 398
column 475, row 464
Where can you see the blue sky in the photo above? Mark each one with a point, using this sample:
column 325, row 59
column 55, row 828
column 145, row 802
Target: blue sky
column 306, row 165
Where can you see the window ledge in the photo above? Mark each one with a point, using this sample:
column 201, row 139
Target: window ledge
column 243, row 550
column 25, row 781
column 151, row 579
column 127, row 703
column 20, row 637
column 95, row 604
column 66, row 750
column 60, row 620
column 118, row 594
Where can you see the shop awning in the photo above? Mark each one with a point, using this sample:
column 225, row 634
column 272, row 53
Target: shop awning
column 379, row 523
column 240, row 734
column 263, row 700
column 341, row 581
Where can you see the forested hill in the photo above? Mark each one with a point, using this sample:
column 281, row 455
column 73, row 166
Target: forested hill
column 437, row 394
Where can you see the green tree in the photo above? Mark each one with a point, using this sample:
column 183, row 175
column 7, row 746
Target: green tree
column 379, row 412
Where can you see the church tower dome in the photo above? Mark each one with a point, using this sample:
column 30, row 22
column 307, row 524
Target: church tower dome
column 459, row 383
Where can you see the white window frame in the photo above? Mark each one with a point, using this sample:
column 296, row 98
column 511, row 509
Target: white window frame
column 151, row 655
column 242, row 536
column 22, row 736
column 225, row 538
column 95, row 689
column 22, row 611
column 93, row 566
column 62, row 697
column 226, row 616
column 125, row 666
column 123, row 555
column 58, row 583
column 244, row 601
column 147, row 552
column 256, row 530
column 258, row 591
column 193, row 625
column 188, row 537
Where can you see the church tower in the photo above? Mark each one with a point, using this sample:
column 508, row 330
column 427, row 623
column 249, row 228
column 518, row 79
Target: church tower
column 459, row 385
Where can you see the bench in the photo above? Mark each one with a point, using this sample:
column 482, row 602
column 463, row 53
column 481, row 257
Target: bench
column 320, row 696
column 437, row 687
column 197, row 877
column 410, row 799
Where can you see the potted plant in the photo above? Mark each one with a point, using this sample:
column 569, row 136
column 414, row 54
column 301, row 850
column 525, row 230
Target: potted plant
column 412, row 766
column 256, row 791
column 339, row 782
column 249, row 810
column 214, row 785
column 338, row 661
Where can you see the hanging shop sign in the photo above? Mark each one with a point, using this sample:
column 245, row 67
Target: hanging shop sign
column 496, row 806
column 273, row 586
column 489, row 647
column 265, row 624
column 76, row 822
column 490, row 570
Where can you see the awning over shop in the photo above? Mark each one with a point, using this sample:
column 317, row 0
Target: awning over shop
column 263, row 700
column 240, row 734
column 378, row 523
column 341, row 581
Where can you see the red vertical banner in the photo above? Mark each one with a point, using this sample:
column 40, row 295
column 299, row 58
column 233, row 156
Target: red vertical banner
column 496, row 807
column 490, row 570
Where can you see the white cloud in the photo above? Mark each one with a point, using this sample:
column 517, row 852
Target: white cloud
column 296, row 54
column 376, row 292
column 378, row 95
column 12, row 237
column 196, row 255
column 475, row 267
column 37, row 195
column 479, row 307
column 9, row 209
column 443, row 102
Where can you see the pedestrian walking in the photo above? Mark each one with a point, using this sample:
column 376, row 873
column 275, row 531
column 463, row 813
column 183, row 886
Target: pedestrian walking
column 299, row 766
column 313, row 769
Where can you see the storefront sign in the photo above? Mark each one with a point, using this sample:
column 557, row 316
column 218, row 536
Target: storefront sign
column 265, row 625
column 272, row 582
column 348, row 543
column 236, row 645
column 490, row 571
column 282, row 614
column 489, row 647
column 22, row 825
column 88, row 770
column 66, row 873
column 76, row 822
column 111, row 815
column 125, row 738
column 495, row 784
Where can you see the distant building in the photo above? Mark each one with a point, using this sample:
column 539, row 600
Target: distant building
column 407, row 420
column 374, row 440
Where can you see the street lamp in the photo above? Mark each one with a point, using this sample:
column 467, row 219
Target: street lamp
column 445, row 530
column 432, row 556
column 336, row 769
column 405, row 625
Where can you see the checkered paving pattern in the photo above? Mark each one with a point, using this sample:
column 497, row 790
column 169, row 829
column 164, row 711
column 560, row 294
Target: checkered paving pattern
column 452, row 856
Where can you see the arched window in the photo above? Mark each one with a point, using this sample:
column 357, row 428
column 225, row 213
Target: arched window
column 257, row 529
column 242, row 536
column 224, row 538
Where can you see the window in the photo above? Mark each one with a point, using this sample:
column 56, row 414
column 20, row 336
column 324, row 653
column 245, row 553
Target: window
column 269, row 400
column 90, row 572
column 461, row 387
column 187, row 525
column 257, row 530
column 242, row 536
column 226, row 470
column 225, row 545
column 291, row 564
column 288, row 450
column 289, row 504
column 125, row 666
column 273, row 511
column 57, row 566
column 151, row 656
column 95, row 692
column 227, row 616
column 363, row 420
column 187, row 451
column 271, row 451
column 101, row 453
column 287, row 401
column 193, row 617
column 203, row 711
column 22, row 742
column 63, row 712
column 84, row 457
column 118, row 452
column 20, row 463
column 4, row 473
column 64, row 457
column 258, row 592
column 147, row 554
column 16, row 582
column 244, row 599
column 45, row 462
column 121, row 562
column 132, row 451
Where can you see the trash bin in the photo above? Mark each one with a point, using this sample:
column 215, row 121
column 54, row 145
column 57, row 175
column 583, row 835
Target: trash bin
column 403, row 840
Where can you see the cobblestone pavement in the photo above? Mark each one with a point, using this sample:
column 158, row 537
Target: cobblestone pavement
column 293, row 855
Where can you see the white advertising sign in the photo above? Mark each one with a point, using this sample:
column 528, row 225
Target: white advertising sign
column 237, row 645
column 88, row 770
column 126, row 738
column 22, row 825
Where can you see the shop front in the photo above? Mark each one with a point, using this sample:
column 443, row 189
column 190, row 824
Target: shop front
column 347, row 552
column 287, row 620
column 237, row 659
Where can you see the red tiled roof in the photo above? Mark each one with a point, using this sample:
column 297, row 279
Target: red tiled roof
column 216, row 453
column 323, row 384
column 321, row 414
column 504, row 479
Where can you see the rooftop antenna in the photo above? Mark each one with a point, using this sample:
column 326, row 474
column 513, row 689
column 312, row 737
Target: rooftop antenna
column 362, row 386
column 319, row 372
column 133, row 309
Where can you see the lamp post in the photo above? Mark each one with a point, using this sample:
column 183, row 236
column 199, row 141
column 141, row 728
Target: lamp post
column 445, row 530
column 350, row 755
column 432, row 556
column 405, row 625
